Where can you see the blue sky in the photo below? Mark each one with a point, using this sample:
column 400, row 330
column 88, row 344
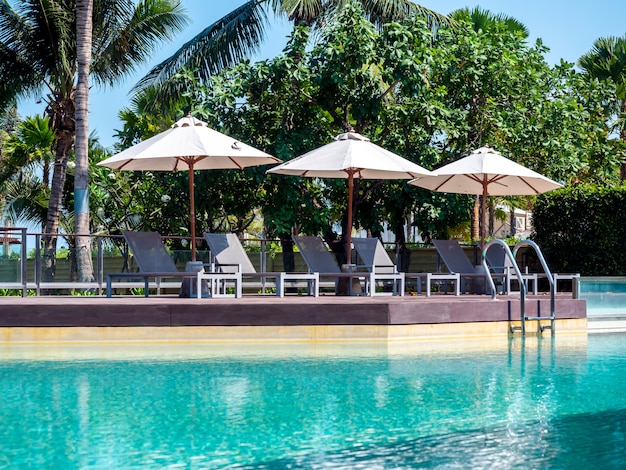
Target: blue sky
column 568, row 28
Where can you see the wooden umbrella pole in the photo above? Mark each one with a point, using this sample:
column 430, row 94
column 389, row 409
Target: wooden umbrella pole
column 484, row 214
column 349, row 224
column 192, row 211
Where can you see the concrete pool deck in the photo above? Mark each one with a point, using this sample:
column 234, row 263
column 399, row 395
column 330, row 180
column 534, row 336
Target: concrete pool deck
column 269, row 318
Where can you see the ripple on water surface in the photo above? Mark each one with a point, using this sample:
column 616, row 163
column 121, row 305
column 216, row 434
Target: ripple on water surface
column 470, row 404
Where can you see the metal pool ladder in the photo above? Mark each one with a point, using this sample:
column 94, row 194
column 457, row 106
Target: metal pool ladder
column 511, row 256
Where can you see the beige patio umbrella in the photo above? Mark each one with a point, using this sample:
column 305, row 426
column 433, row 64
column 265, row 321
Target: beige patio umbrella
column 487, row 173
column 351, row 156
column 189, row 145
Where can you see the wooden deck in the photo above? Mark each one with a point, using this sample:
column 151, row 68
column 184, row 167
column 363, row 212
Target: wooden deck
column 56, row 318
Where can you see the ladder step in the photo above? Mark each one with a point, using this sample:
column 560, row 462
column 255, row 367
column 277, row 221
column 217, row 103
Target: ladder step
column 538, row 318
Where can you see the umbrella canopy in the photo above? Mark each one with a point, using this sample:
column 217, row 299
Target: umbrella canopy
column 487, row 173
column 351, row 156
column 189, row 145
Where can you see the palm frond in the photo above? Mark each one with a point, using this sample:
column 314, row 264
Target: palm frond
column 51, row 31
column 27, row 199
column 17, row 70
column 607, row 59
column 37, row 44
column 301, row 11
column 380, row 12
column 484, row 20
column 135, row 37
column 222, row 44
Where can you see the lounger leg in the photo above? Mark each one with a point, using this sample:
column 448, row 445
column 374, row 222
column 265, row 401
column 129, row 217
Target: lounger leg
column 400, row 290
column 280, row 283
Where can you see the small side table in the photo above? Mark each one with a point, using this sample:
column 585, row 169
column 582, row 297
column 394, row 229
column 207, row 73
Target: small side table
column 216, row 284
column 454, row 277
column 311, row 278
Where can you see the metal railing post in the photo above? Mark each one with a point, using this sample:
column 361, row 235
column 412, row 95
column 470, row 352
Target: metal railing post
column 23, row 261
column 37, row 264
column 99, row 264
column 263, row 262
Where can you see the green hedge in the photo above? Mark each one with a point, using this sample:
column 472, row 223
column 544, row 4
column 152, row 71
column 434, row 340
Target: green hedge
column 583, row 229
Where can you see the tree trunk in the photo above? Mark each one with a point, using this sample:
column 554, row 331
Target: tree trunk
column 62, row 118
column 512, row 221
column 81, row 177
column 622, row 136
column 51, row 231
column 403, row 253
column 289, row 262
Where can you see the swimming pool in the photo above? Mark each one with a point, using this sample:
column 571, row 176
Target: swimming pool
column 538, row 403
column 605, row 295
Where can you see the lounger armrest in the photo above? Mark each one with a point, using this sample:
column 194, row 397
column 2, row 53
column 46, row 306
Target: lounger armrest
column 392, row 267
column 220, row 265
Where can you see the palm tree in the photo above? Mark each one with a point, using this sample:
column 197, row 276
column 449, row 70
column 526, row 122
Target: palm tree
column 240, row 33
column 28, row 147
column 25, row 170
column 84, row 43
column 607, row 61
column 38, row 55
column 484, row 20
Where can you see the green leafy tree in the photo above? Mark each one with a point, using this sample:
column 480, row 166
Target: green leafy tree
column 302, row 99
column 429, row 99
column 550, row 119
column 229, row 197
column 607, row 61
column 38, row 55
column 240, row 32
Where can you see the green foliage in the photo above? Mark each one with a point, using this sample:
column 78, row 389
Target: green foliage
column 550, row 119
column 83, row 293
column 427, row 98
column 17, row 292
column 124, row 35
column 233, row 37
column 583, row 229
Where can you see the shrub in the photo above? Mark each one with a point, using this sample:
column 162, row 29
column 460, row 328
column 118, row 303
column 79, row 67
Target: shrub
column 583, row 229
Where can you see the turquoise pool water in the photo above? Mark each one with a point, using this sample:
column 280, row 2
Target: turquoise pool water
column 546, row 403
column 604, row 295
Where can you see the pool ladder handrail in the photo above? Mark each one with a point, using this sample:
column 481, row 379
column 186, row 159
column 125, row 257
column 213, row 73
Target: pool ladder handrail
column 511, row 255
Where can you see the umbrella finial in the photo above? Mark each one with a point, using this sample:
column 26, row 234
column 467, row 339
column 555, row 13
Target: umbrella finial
column 189, row 121
column 351, row 135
